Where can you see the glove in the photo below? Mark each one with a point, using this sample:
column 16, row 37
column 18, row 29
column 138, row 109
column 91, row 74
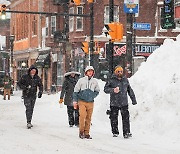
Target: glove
column 134, row 102
column 39, row 94
column 61, row 100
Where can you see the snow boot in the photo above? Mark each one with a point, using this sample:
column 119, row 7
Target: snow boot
column 127, row 135
column 81, row 135
column 115, row 135
column 88, row 137
column 29, row 125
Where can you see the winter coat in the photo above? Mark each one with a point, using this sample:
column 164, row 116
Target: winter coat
column 7, row 82
column 119, row 99
column 86, row 89
column 68, row 88
column 29, row 85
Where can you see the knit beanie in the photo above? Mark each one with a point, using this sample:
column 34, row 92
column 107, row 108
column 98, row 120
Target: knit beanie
column 118, row 68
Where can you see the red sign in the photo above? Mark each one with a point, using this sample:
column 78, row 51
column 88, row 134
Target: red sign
column 118, row 51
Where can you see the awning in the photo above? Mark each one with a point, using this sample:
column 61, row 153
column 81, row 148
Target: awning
column 43, row 61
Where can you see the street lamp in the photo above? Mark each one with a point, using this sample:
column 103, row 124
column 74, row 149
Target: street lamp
column 11, row 39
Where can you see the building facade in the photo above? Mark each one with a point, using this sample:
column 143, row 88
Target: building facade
column 53, row 42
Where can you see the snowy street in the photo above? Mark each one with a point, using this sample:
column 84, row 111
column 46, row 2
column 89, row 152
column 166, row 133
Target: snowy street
column 51, row 133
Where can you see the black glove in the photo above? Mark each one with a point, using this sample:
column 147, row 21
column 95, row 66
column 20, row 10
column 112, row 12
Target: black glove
column 39, row 94
column 134, row 102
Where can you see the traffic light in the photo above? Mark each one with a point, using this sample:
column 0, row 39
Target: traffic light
column 115, row 30
column 77, row 2
column 85, row 47
column 119, row 32
column 112, row 31
column 90, row 1
column 3, row 11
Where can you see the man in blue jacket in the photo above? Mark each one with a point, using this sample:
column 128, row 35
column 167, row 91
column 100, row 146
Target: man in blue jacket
column 118, row 87
column 85, row 91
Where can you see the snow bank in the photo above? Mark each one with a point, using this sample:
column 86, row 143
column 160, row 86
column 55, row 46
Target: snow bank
column 157, row 88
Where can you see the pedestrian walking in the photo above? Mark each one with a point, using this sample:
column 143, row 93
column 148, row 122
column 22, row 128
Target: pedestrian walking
column 85, row 91
column 29, row 84
column 7, row 86
column 66, row 96
column 118, row 87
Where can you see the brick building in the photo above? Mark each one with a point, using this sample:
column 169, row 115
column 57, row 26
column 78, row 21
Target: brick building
column 34, row 34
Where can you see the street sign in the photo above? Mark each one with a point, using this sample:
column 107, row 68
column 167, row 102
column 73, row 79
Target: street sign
column 142, row 26
column 131, row 6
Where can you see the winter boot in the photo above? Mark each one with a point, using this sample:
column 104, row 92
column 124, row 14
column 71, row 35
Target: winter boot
column 29, row 125
column 127, row 135
column 81, row 135
column 88, row 137
column 115, row 135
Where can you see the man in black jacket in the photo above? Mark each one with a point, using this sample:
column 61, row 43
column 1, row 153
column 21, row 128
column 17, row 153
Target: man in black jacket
column 29, row 83
column 118, row 87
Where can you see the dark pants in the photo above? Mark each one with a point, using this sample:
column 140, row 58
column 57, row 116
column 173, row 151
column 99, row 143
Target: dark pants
column 29, row 103
column 114, row 119
column 73, row 115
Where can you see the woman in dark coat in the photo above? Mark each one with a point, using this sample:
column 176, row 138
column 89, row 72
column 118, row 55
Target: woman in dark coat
column 66, row 96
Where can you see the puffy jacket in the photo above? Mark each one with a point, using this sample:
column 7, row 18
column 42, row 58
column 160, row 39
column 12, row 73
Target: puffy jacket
column 86, row 89
column 119, row 99
column 68, row 89
column 29, row 85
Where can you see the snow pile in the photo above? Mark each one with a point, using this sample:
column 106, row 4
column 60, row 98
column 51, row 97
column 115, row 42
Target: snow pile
column 157, row 88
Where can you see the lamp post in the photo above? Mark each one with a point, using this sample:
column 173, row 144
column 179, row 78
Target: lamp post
column 11, row 39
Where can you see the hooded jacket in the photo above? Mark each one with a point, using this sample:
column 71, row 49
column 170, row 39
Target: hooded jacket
column 68, row 87
column 119, row 99
column 86, row 88
column 29, row 84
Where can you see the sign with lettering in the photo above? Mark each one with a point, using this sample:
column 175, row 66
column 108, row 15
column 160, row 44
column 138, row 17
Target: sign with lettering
column 145, row 49
column 131, row 6
column 167, row 15
column 142, row 26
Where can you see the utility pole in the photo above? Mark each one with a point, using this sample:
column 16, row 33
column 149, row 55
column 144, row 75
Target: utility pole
column 94, row 58
column 111, row 44
column 129, row 33
column 91, row 33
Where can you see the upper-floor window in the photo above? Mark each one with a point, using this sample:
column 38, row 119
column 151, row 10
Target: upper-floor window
column 53, row 24
column 34, row 26
column 71, row 19
column 79, row 20
column 106, row 14
column 47, row 24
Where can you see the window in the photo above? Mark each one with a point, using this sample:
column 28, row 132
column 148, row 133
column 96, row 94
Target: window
column 47, row 24
column 106, row 14
column 53, row 24
column 34, row 26
column 79, row 20
column 71, row 20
